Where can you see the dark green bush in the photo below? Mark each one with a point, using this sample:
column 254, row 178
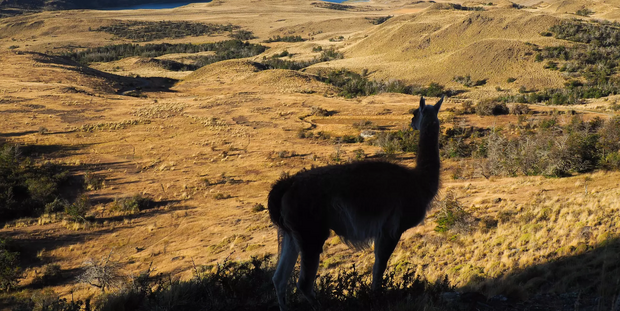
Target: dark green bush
column 149, row 31
column 25, row 187
column 278, row 38
column 77, row 211
column 489, row 107
column 520, row 109
column 133, row 204
column 10, row 271
column 399, row 141
column 380, row 20
column 468, row 82
column 451, row 215
column 584, row 12
column 243, row 35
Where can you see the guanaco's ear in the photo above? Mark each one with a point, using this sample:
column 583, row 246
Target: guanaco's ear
column 438, row 104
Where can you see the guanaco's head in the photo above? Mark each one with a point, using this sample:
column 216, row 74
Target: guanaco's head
column 425, row 114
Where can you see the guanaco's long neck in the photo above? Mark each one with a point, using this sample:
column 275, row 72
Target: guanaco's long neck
column 427, row 161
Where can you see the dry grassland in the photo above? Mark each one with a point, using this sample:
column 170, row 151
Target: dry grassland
column 207, row 148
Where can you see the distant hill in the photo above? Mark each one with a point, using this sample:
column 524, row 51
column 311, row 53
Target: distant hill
column 75, row 4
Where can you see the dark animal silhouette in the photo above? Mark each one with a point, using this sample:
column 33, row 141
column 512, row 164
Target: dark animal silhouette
column 362, row 202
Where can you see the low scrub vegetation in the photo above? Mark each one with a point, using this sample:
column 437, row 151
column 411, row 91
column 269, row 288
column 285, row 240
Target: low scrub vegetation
column 132, row 205
column 553, row 150
column 491, row 108
column 590, row 63
column 276, row 62
column 10, row 270
column 26, row 188
column 542, row 147
column 223, row 50
column 353, row 84
column 149, row 31
column 278, row 38
column 468, row 82
column 246, row 285
column 380, row 20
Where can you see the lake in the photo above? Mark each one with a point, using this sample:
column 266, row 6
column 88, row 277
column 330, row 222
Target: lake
column 155, row 6
column 173, row 5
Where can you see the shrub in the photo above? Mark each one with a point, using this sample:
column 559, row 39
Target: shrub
column 380, row 20
column 584, row 12
column 93, row 181
column 364, row 125
column 50, row 275
column 242, row 35
column 318, row 111
column 399, row 141
column 610, row 136
column 451, row 215
column 467, row 81
column 520, row 109
column 611, row 161
column 133, row 204
column 10, row 271
column 490, row 107
column 221, row 196
column 77, row 211
column 103, row 274
column 258, row 208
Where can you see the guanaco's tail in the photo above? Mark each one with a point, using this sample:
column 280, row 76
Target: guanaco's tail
column 274, row 204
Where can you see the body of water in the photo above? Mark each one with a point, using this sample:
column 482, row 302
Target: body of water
column 155, row 6
column 173, row 5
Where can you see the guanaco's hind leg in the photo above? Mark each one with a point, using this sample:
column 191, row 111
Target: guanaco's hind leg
column 307, row 275
column 384, row 246
column 286, row 263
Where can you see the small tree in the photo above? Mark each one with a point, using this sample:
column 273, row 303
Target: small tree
column 10, row 271
column 103, row 274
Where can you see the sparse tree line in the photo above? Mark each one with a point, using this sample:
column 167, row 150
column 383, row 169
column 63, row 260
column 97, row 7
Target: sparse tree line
column 149, row 31
column 275, row 62
column 223, row 50
column 353, row 84
column 278, row 38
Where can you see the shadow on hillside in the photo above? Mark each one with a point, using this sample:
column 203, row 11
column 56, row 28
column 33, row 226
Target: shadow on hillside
column 586, row 281
column 121, row 84
column 16, row 134
column 51, row 151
